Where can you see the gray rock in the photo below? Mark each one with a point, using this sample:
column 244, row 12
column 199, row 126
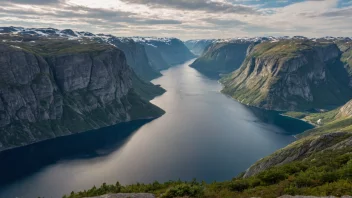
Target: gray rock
column 17, row 66
column 346, row 110
column 46, row 96
column 136, row 57
column 72, row 72
column 297, row 80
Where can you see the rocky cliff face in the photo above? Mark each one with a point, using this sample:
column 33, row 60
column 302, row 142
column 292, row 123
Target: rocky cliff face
column 346, row 57
column 221, row 57
column 136, row 57
column 290, row 75
column 198, row 47
column 135, row 53
column 51, row 88
column 165, row 50
column 346, row 110
column 156, row 59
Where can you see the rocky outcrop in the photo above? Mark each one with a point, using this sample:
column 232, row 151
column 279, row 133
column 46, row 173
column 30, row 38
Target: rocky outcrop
column 51, row 88
column 290, row 75
column 221, row 58
column 346, row 110
column 302, row 149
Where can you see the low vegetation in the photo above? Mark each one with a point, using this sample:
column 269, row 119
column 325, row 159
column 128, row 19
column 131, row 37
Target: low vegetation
column 324, row 117
column 288, row 48
column 340, row 125
column 326, row 122
column 58, row 46
column 322, row 174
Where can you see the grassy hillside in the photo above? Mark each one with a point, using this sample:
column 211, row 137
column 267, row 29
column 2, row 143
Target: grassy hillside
column 290, row 75
column 287, row 48
column 47, row 47
column 335, row 120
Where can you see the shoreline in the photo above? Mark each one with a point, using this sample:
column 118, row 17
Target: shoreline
column 279, row 112
column 311, row 123
column 61, row 136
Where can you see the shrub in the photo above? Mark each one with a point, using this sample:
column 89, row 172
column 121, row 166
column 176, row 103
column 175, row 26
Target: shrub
column 239, row 185
column 272, row 176
column 294, row 167
column 329, row 177
column 254, row 182
column 183, row 190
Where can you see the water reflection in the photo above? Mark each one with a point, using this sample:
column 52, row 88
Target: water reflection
column 203, row 135
column 21, row 162
column 287, row 124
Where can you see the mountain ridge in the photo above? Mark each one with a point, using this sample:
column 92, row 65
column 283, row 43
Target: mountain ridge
column 210, row 51
column 146, row 55
column 289, row 75
column 57, row 87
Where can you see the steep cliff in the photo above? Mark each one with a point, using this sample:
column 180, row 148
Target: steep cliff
column 290, row 75
column 136, row 57
column 346, row 57
column 198, row 47
column 221, row 57
column 156, row 59
column 56, row 87
column 165, row 50
column 135, row 53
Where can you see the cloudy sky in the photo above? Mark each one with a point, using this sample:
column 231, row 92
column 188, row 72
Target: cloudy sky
column 185, row 19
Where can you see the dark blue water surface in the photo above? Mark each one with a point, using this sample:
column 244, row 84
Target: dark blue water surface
column 203, row 135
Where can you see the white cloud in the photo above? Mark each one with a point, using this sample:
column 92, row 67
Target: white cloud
column 215, row 19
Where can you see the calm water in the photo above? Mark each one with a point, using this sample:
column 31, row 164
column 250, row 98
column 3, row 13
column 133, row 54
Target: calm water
column 203, row 135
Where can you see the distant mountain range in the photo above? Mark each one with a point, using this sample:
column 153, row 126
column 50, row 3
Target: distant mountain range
column 199, row 46
column 147, row 56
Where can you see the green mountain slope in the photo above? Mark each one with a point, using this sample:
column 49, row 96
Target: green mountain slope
column 290, row 75
column 221, row 58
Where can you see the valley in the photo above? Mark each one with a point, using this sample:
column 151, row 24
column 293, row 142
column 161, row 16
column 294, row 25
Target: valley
column 82, row 109
column 182, row 144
